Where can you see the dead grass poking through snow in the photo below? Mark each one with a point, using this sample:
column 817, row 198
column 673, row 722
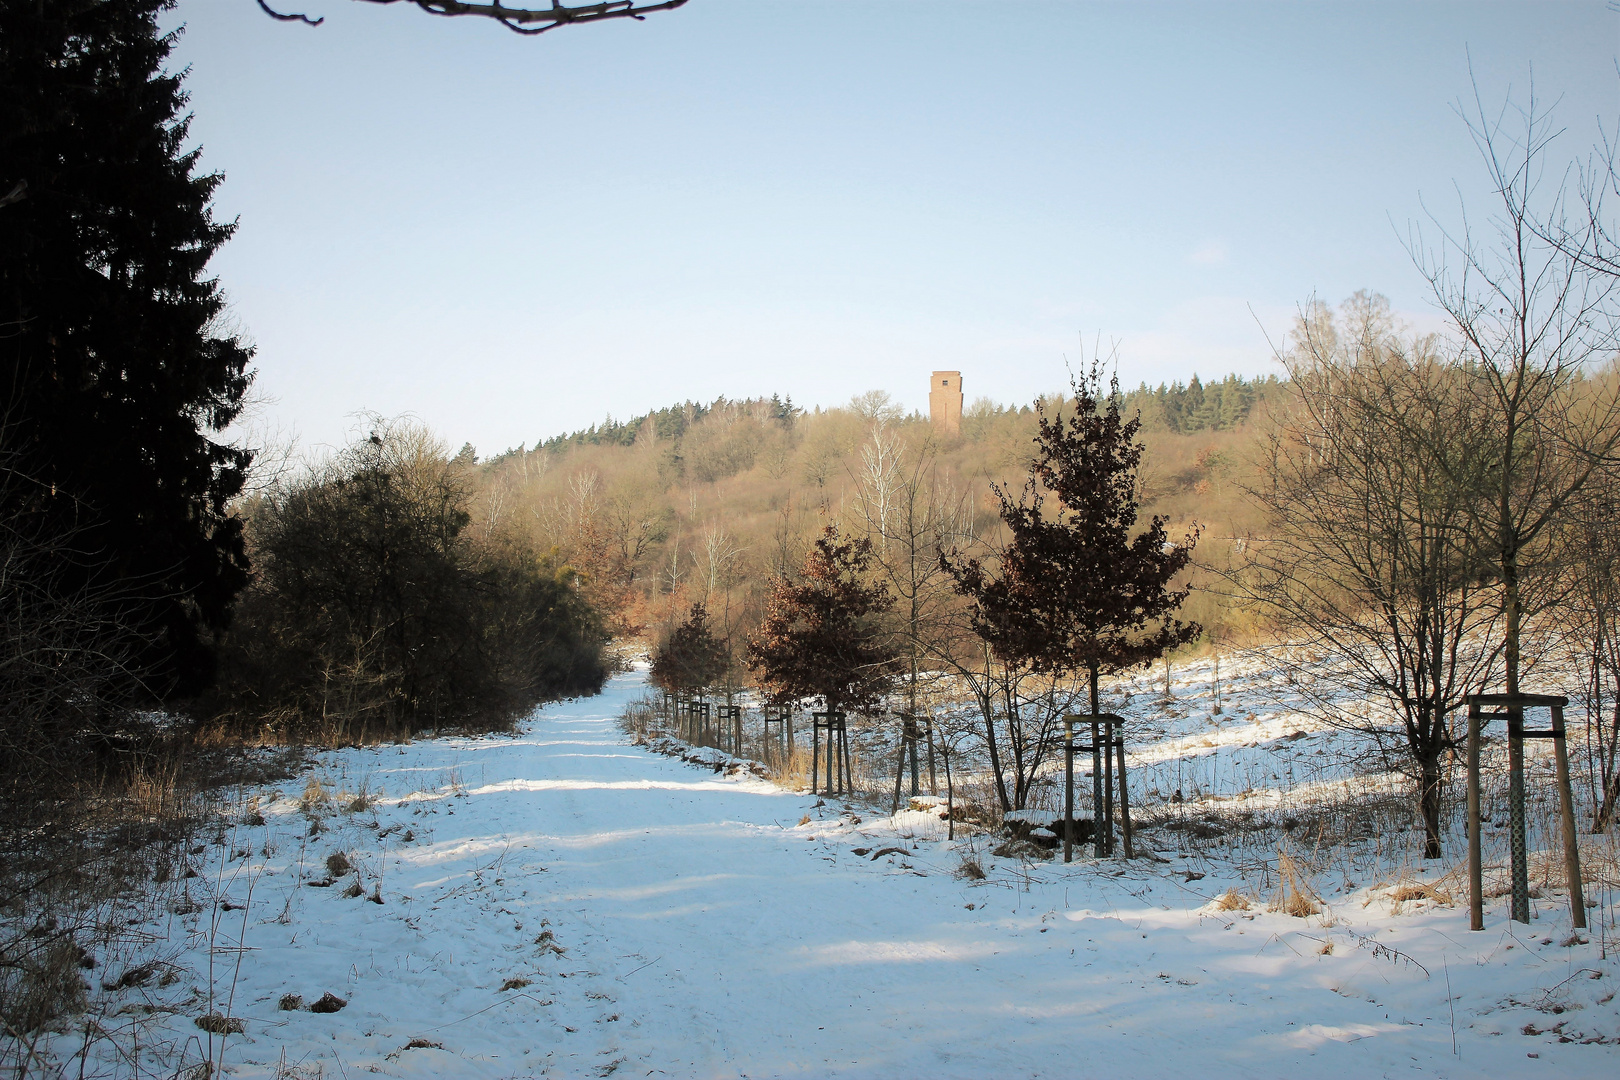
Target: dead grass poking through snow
column 969, row 867
column 1294, row 893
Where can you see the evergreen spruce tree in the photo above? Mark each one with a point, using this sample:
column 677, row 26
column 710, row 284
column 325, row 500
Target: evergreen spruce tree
column 115, row 375
column 693, row 659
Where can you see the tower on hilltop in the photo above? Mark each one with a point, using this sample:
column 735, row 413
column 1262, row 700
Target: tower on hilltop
column 945, row 402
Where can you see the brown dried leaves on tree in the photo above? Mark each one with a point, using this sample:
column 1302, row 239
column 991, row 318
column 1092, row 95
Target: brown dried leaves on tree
column 821, row 636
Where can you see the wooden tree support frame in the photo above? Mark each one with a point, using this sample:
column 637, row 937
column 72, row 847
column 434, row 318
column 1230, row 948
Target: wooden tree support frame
column 837, row 756
column 782, row 716
column 914, row 728
column 1510, row 707
column 697, row 722
column 732, row 713
column 1107, row 747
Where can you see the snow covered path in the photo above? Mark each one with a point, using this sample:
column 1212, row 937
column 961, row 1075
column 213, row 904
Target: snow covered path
column 709, row 934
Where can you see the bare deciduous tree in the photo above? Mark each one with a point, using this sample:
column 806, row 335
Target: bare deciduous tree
column 1595, row 600
column 1533, row 314
column 910, row 514
column 1368, row 559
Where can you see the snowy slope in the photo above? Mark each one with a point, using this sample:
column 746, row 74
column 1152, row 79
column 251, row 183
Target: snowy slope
column 706, row 929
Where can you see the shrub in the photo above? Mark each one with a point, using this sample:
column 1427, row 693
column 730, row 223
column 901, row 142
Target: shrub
column 375, row 614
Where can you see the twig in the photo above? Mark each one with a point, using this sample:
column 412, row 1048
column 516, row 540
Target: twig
column 648, row 964
column 1379, row 949
column 504, row 1001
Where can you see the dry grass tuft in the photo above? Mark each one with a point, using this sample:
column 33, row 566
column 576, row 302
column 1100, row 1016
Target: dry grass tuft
column 514, row 984
column 1294, row 894
column 219, row 1024
column 363, row 800
column 290, row 1002
column 315, row 797
column 1408, row 891
column 1022, row 849
column 969, row 867
column 1231, row 900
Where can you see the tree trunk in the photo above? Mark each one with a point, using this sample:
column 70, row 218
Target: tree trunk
column 987, row 706
column 1429, row 777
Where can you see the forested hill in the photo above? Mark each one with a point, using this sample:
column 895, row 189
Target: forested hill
column 704, row 501
column 1177, row 407
column 666, row 423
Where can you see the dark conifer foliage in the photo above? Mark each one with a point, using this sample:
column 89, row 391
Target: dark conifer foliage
column 693, row 659
column 821, row 636
column 374, row 613
column 1199, row 406
column 1078, row 588
column 114, row 370
column 667, row 423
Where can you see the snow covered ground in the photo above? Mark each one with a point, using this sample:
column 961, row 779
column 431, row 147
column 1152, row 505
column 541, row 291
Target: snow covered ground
column 562, row 903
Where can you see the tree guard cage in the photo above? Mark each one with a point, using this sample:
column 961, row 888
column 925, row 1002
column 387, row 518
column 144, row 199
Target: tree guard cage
column 1107, row 745
column 733, row 713
column 1510, row 707
column 913, row 729
column 838, row 771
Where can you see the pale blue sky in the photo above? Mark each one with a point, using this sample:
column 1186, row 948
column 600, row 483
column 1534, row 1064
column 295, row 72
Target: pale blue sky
column 510, row 237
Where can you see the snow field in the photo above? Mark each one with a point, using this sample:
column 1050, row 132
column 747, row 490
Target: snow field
column 560, row 903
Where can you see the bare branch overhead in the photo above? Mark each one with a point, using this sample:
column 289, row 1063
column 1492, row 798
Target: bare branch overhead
column 518, row 20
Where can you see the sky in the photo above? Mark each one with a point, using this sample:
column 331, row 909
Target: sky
column 512, row 237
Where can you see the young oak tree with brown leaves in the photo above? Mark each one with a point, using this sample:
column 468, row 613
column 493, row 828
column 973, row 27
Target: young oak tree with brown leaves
column 1078, row 588
column 821, row 636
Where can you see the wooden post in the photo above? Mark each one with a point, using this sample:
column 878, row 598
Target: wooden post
column 900, row 765
column 1517, row 841
column 815, row 750
column 1068, row 788
column 1097, row 822
column 933, row 777
column 1476, row 884
column 1566, row 806
column 843, row 742
column 1108, row 786
column 1124, row 796
column 911, row 740
column 835, row 760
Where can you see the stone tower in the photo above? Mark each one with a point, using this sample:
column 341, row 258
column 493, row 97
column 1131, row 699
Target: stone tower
column 945, row 402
